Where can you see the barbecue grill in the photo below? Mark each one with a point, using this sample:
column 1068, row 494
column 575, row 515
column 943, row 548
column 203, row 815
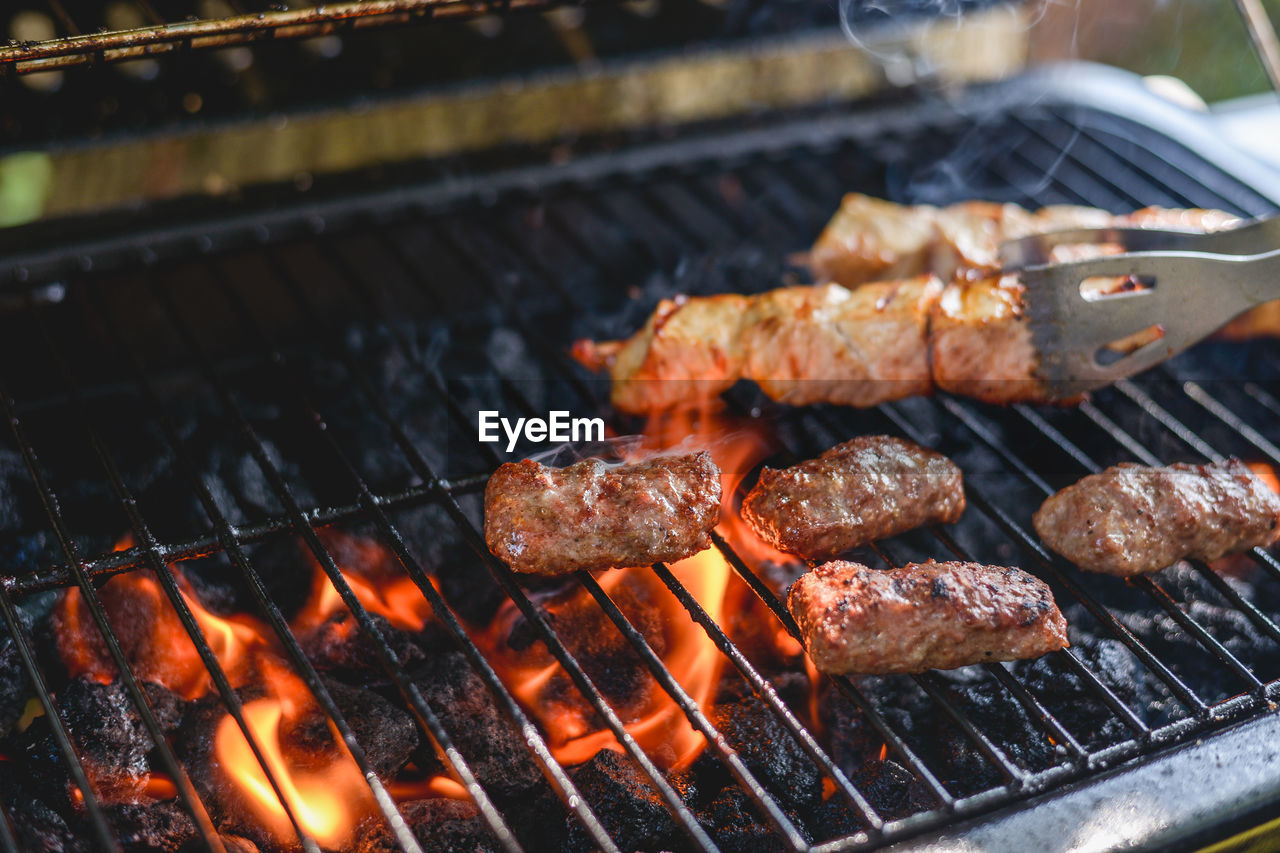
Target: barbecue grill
column 247, row 389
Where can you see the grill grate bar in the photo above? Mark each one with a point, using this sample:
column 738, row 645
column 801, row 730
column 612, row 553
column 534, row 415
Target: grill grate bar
column 843, row 683
column 1259, row 619
column 507, row 580
column 1061, row 569
column 232, row 547
column 8, row 833
column 129, row 559
column 1087, row 675
column 168, row 582
column 556, row 773
column 765, row 691
column 1162, row 598
column 936, row 691
column 204, row 33
column 22, row 642
column 71, row 552
column 425, row 716
column 760, row 797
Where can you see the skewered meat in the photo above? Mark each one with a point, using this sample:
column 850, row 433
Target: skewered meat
column 879, row 341
column 592, row 515
column 1132, row 519
column 869, row 239
column 869, row 488
column 923, row 616
column 801, row 344
column 883, row 341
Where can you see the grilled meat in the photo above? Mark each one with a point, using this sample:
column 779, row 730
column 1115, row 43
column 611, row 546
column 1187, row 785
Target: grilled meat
column 591, row 515
column 923, row 616
column 869, row 239
column 1133, row 519
column 856, row 343
column 869, row 488
column 801, row 344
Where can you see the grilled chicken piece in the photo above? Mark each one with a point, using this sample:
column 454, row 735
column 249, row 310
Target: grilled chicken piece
column 869, row 239
column 1133, row 519
column 829, row 344
column 923, row 616
column 592, row 515
column 869, row 488
column 980, row 344
column 801, row 344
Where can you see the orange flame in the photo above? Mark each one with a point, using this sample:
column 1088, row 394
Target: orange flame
column 327, row 801
column 371, row 572
column 326, row 792
column 659, row 726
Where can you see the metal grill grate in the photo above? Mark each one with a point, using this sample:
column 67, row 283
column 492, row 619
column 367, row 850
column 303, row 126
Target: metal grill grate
column 188, row 335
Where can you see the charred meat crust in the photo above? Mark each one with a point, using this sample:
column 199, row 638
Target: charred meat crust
column 923, row 616
column 1133, row 519
column 865, row 489
column 591, row 515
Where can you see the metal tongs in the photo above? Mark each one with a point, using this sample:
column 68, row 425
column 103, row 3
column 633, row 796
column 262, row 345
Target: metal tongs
column 1179, row 287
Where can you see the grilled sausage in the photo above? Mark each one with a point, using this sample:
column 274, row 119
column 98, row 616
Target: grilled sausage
column 923, row 616
column 865, row 489
column 1132, row 519
column 591, row 515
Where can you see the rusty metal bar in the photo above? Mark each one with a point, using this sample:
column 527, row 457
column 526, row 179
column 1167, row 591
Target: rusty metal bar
column 206, row 33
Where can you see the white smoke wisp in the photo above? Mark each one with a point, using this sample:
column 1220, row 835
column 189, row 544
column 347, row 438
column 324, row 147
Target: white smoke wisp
column 888, row 33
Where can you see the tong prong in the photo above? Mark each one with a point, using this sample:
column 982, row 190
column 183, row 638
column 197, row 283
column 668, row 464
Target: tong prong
column 1185, row 295
column 1253, row 237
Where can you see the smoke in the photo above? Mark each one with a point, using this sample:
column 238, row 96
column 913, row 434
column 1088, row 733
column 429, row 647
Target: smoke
column 985, row 161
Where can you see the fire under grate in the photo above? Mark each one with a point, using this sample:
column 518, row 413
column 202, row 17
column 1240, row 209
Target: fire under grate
column 254, row 409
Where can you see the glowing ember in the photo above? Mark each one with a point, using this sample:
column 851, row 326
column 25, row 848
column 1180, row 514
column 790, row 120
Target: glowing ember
column 322, row 786
column 1266, row 473
column 373, row 574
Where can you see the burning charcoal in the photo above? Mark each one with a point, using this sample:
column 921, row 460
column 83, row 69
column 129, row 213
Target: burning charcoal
column 595, row 642
column 341, row 648
column 629, row 809
column 114, row 745
column 387, row 734
column 540, row 820
column 447, row 826
column 40, row 829
column 769, row 751
column 834, row 818
column 735, row 825
column 1076, row 705
column 1003, row 719
column 160, row 826
column 891, row 789
column 433, row 538
column 14, row 689
column 497, row 754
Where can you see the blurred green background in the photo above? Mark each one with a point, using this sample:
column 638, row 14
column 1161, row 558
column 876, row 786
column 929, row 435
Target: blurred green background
column 1202, row 42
